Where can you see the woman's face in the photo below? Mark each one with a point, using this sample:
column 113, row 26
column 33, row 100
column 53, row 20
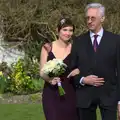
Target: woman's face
column 65, row 33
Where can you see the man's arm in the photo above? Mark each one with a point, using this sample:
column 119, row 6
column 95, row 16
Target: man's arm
column 118, row 68
column 75, row 61
column 118, row 75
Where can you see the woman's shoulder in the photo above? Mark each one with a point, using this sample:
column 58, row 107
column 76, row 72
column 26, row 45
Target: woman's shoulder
column 47, row 46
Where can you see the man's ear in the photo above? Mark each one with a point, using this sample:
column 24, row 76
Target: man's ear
column 102, row 19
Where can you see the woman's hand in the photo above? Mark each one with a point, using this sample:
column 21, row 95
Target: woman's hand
column 73, row 73
column 54, row 80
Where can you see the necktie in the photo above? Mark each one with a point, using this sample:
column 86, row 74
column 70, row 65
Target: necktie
column 95, row 43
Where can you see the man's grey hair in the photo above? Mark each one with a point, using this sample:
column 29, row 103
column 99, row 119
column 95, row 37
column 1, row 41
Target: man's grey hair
column 96, row 5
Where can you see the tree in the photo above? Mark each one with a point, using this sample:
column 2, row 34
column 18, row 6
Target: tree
column 33, row 22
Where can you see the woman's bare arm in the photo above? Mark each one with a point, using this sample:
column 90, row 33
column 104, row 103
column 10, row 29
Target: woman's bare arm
column 43, row 60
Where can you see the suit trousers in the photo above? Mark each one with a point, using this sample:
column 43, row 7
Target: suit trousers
column 89, row 113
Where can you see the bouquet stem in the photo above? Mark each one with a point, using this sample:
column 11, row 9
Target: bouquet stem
column 61, row 90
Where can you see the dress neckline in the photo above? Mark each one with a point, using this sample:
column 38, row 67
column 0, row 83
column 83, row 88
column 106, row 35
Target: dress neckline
column 59, row 58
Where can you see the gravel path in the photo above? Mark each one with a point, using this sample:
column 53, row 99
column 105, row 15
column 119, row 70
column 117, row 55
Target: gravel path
column 18, row 99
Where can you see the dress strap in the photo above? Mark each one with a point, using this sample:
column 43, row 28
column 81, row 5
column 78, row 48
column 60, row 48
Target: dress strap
column 48, row 47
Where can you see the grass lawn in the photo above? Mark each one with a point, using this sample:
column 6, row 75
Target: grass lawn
column 23, row 112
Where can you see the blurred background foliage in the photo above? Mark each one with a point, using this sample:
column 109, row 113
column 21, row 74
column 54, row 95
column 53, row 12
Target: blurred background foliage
column 33, row 22
column 28, row 24
column 21, row 77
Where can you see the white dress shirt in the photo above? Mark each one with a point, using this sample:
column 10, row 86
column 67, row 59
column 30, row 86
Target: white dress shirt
column 100, row 34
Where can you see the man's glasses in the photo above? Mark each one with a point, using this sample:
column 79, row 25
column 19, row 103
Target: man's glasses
column 91, row 18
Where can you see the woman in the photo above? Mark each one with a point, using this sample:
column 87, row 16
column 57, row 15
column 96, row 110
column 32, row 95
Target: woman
column 56, row 107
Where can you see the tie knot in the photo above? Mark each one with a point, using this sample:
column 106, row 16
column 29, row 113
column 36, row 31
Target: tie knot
column 95, row 36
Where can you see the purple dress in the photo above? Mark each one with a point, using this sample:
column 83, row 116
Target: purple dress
column 58, row 107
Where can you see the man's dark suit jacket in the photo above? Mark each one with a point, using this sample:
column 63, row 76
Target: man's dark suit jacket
column 104, row 63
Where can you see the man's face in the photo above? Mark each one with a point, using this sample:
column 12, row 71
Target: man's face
column 94, row 19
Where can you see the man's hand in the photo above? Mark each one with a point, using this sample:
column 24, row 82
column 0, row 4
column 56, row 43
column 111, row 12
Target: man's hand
column 93, row 80
column 118, row 111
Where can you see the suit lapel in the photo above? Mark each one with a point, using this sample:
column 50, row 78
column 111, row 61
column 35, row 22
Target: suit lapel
column 101, row 46
column 89, row 47
column 89, row 53
column 103, row 43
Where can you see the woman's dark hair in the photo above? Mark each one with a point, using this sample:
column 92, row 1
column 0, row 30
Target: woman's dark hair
column 65, row 22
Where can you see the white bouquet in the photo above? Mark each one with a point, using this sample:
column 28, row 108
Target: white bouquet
column 55, row 68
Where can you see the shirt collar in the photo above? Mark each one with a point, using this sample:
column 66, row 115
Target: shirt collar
column 100, row 33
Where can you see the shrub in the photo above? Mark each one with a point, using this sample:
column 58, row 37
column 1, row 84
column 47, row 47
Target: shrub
column 23, row 79
column 2, row 82
column 5, row 80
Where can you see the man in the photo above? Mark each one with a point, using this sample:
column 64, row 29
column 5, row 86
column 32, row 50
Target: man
column 97, row 55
